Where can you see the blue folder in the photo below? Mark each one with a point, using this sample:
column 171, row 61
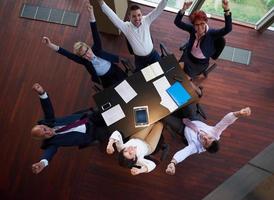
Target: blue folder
column 178, row 93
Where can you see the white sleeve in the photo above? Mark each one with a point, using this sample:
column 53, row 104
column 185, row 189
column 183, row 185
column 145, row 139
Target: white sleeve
column 116, row 135
column 227, row 120
column 45, row 161
column 185, row 152
column 113, row 17
column 44, row 95
column 156, row 12
column 148, row 163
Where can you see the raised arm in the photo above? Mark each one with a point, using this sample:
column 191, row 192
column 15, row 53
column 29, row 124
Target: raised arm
column 46, row 157
column 178, row 19
column 45, row 101
column 115, row 138
column 112, row 16
column 228, row 20
column 62, row 51
column 146, row 166
column 229, row 119
column 180, row 156
column 156, row 11
column 49, row 44
column 97, row 44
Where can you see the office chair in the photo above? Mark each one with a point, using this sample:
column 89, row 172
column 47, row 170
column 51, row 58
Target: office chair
column 180, row 114
column 219, row 45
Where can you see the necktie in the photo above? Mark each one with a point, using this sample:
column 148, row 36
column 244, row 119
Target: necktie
column 191, row 125
column 72, row 125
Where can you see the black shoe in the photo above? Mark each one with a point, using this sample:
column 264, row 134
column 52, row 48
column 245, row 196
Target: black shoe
column 201, row 90
column 165, row 149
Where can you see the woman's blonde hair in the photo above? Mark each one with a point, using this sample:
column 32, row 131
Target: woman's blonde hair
column 78, row 46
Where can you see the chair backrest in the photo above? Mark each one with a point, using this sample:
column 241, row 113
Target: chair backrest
column 219, row 44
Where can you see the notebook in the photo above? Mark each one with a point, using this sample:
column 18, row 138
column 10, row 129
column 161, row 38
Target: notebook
column 178, row 93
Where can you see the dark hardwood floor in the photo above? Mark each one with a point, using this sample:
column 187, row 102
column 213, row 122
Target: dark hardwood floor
column 90, row 173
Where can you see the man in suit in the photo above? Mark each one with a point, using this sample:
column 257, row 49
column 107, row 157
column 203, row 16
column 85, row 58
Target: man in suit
column 79, row 129
column 100, row 64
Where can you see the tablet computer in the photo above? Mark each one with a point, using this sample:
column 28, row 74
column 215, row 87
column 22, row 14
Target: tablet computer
column 141, row 116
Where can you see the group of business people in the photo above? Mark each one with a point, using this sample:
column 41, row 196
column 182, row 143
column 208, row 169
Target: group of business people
column 86, row 127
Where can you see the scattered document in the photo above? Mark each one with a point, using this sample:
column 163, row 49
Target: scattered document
column 125, row 91
column 113, row 115
column 152, row 71
column 161, row 86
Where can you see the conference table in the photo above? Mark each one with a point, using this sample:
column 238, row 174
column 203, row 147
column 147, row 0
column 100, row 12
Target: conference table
column 147, row 95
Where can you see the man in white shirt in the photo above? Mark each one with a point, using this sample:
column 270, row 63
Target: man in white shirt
column 200, row 137
column 133, row 152
column 137, row 32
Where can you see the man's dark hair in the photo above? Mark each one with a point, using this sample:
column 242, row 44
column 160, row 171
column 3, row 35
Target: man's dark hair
column 124, row 162
column 214, row 147
column 134, row 7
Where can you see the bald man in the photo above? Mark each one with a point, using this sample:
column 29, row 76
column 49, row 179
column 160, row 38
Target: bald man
column 77, row 129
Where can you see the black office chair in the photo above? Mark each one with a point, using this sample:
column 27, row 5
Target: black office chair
column 180, row 114
column 219, row 45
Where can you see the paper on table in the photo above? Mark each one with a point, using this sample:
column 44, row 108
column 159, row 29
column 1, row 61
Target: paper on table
column 113, row 115
column 125, row 91
column 161, row 86
column 152, row 71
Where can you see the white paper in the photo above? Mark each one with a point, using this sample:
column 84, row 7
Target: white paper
column 152, row 71
column 161, row 86
column 125, row 91
column 113, row 115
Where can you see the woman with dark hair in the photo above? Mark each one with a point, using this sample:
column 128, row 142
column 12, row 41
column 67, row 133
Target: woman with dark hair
column 141, row 144
column 200, row 46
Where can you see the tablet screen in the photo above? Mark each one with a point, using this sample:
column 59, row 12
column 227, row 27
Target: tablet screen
column 141, row 116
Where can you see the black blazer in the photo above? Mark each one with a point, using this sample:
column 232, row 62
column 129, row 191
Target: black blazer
column 51, row 145
column 98, row 51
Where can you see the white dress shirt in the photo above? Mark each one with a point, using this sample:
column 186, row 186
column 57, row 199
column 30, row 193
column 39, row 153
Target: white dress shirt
column 138, row 37
column 194, row 144
column 141, row 151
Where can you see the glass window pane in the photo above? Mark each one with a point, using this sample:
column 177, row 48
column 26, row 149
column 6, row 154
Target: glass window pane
column 246, row 11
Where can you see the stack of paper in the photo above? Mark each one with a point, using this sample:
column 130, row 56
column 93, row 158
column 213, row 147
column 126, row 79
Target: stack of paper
column 152, row 71
column 161, row 86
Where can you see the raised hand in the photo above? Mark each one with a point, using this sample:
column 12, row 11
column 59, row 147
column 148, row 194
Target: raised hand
column 225, row 4
column 170, row 169
column 135, row 171
column 110, row 149
column 91, row 11
column 38, row 88
column 186, row 5
column 245, row 112
column 46, row 41
column 37, row 167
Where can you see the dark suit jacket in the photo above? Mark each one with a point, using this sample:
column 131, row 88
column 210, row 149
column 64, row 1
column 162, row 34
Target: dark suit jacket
column 207, row 41
column 98, row 51
column 51, row 145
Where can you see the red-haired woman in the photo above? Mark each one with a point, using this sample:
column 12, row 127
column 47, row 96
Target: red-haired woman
column 200, row 46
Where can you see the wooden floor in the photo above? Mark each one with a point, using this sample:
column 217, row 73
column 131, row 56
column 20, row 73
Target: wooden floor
column 90, row 173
